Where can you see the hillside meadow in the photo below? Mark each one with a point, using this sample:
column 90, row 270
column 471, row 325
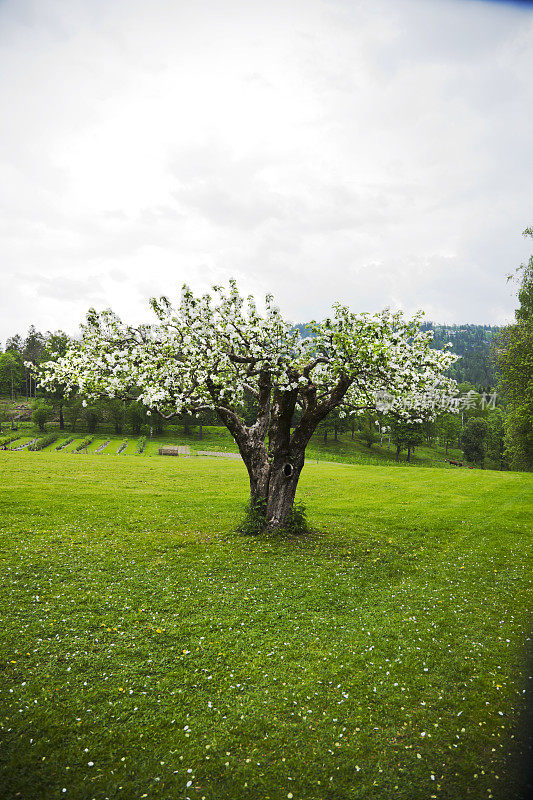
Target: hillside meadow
column 150, row 651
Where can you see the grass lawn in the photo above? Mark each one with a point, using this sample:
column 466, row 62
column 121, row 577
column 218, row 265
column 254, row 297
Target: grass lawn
column 70, row 448
column 96, row 443
column 23, row 440
column 149, row 651
column 131, row 449
column 152, row 448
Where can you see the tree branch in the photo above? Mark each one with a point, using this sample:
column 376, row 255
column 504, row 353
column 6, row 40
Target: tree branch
column 242, row 359
column 252, row 391
column 312, row 416
column 312, row 364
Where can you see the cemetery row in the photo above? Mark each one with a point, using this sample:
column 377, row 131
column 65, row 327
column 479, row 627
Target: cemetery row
column 99, row 445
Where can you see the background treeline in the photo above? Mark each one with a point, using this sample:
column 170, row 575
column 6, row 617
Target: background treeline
column 101, row 416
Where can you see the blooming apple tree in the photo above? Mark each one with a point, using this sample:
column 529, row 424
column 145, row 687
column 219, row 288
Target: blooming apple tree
column 215, row 352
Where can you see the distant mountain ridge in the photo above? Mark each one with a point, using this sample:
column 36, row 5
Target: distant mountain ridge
column 471, row 342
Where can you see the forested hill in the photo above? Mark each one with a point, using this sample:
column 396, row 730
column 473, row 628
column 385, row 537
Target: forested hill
column 471, row 342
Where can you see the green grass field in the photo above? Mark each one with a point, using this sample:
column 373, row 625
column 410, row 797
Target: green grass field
column 149, row 651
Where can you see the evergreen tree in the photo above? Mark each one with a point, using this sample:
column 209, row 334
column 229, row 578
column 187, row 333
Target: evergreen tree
column 11, row 373
column 496, row 438
column 92, row 416
column 15, row 344
column 473, row 440
column 73, row 412
column 115, row 411
column 136, row 416
column 34, row 346
column 515, row 368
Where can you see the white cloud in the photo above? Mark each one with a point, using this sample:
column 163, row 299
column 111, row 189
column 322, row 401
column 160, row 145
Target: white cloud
column 373, row 152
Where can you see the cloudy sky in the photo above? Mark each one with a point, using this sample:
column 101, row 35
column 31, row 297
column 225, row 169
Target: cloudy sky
column 376, row 152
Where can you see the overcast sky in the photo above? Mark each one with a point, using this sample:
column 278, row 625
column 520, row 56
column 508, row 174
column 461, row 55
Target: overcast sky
column 376, row 152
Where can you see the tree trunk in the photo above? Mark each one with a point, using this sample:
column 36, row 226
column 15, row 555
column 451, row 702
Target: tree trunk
column 336, row 439
column 200, row 431
column 282, row 484
column 408, row 453
column 274, row 472
column 398, row 448
column 325, row 437
column 273, row 486
column 61, row 418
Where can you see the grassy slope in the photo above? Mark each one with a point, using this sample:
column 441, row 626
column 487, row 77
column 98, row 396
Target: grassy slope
column 142, row 635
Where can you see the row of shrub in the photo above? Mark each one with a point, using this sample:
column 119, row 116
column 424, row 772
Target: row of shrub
column 122, row 447
column 141, row 444
column 65, row 443
column 44, row 441
column 83, row 444
column 10, row 437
